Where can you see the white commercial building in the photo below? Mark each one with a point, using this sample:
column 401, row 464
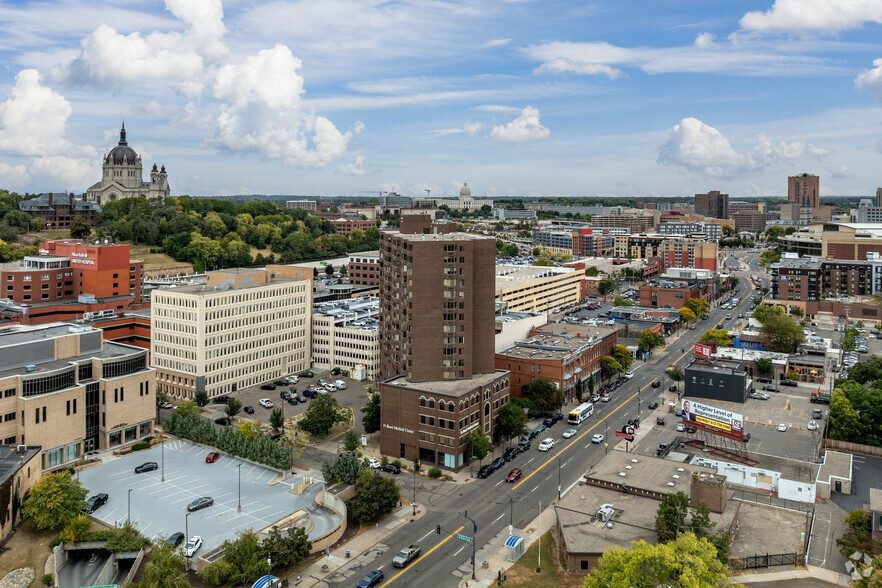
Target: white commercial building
column 345, row 335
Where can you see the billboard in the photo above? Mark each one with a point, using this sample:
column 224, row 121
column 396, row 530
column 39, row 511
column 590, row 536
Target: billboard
column 712, row 418
column 702, row 350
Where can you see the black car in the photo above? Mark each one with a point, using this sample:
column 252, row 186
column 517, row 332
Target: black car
column 279, row 382
column 302, row 399
column 200, row 503
column 391, row 468
column 310, row 393
column 175, row 539
column 770, row 389
column 538, row 430
column 371, row 579
column 497, row 463
column 672, row 388
column 523, row 445
column 95, row 502
column 691, row 430
column 306, row 374
column 225, row 421
column 662, row 448
column 284, row 395
column 249, row 409
column 656, row 384
column 223, row 399
column 510, row 453
column 764, row 380
column 634, row 422
column 293, row 400
column 745, row 438
column 269, row 386
column 790, row 383
column 653, row 405
column 486, row 471
column 150, row 466
column 816, row 413
column 549, row 422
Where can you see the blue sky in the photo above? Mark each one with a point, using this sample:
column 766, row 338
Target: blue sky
column 519, row 97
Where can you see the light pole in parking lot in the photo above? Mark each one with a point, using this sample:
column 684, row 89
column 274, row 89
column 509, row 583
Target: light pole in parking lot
column 129, row 512
column 558, row 477
column 415, row 466
column 162, row 452
column 187, row 526
column 239, row 469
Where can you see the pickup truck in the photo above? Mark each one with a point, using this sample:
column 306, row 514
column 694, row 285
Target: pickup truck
column 406, row 555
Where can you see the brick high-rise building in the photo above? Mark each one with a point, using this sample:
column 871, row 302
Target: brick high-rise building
column 750, row 220
column 713, row 204
column 685, row 253
column 804, row 190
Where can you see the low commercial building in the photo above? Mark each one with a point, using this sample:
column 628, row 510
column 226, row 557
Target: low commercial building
column 345, row 335
column 851, row 240
column 363, row 268
column 667, row 293
column 69, row 392
column 709, row 231
column 244, row 327
column 309, row 205
column 717, row 380
column 345, row 226
column 20, row 469
column 529, row 288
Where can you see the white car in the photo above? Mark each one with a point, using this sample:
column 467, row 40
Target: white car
column 782, row 427
column 546, row 444
column 605, row 398
column 165, row 404
column 193, row 545
column 265, row 402
column 681, row 427
column 292, row 379
column 320, row 390
column 374, row 463
column 323, row 383
column 330, row 387
column 569, row 433
column 629, row 375
column 341, row 385
column 597, row 438
column 812, row 425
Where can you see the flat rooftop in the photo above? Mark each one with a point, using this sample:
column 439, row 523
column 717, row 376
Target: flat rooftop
column 442, row 236
column 649, row 473
column 583, row 532
column 455, row 388
column 205, row 290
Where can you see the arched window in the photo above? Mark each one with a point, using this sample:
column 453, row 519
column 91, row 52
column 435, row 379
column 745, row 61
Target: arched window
column 442, row 405
column 431, row 403
column 422, row 400
column 487, row 410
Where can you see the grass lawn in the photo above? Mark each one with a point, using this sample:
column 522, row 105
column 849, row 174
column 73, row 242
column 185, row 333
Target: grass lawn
column 27, row 548
column 552, row 575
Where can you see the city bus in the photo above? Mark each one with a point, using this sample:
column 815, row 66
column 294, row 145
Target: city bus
column 580, row 413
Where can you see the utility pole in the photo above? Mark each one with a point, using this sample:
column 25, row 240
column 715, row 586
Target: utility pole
column 474, row 541
column 415, row 466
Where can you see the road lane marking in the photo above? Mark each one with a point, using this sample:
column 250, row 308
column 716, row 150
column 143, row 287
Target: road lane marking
column 426, row 535
column 497, row 518
column 459, row 551
column 534, row 489
column 443, row 541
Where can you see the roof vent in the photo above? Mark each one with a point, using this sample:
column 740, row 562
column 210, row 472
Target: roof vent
column 676, row 477
column 671, row 484
column 622, row 474
column 627, row 467
column 30, row 368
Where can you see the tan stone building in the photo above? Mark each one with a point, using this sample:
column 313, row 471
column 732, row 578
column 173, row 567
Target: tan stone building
column 68, row 391
column 19, row 471
column 243, row 327
column 346, row 335
column 528, row 288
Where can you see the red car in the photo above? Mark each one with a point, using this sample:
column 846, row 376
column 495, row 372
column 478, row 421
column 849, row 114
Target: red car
column 212, row 457
column 514, row 475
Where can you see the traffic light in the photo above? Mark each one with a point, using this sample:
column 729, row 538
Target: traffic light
column 438, row 529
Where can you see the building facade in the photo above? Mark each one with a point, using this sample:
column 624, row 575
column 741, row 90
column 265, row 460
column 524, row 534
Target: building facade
column 309, row 205
column 709, row 231
column 814, row 279
column 345, row 226
column 513, row 213
column 804, row 190
column 363, row 268
column 57, row 210
column 850, row 240
column 243, row 327
column 750, row 220
column 538, row 289
column 713, row 204
column 688, row 253
column 346, row 335
column 122, row 176
column 70, row 392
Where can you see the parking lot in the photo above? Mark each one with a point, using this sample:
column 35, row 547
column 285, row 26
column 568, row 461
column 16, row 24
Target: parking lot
column 160, row 508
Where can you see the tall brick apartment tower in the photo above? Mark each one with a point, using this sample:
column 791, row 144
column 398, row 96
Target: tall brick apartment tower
column 804, row 190
column 437, row 330
column 713, row 204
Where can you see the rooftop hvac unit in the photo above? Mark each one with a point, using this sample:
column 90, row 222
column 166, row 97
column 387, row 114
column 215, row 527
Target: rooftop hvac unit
column 30, row 368
column 21, row 448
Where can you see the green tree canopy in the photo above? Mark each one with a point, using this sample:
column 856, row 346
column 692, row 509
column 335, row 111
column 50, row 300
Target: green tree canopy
column 512, row 421
column 697, row 305
column 351, row 441
column 769, row 257
column 375, row 495
column 371, row 419
column 649, row 340
column 479, row 444
column 610, row 366
column 79, row 228
column 544, row 394
column 622, row 301
column 166, row 568
column 687, row 315
column 675, row 374
column 345, row 469
column 54, row 501
column 845, row 422
column 622, row 354
column 764, row 311
column 323, row 413
column 763, row 365
column 782, row 333
column 201, row 398
column 721, row 337
column 605, row 286
column 277, row 419
column 233, row 407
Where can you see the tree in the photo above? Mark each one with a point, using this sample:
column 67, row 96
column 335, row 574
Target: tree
column 201, row 398
column 544, row 394
column 234, row 407
column 277, row 419
column 512, row 421
column 764, row 311
column 687, row 315
column 797, row 312
column 54, row 501
column 675, row 374
column 782, row 333
column 323, row 413
column 763, row 365
column 371, row 419
column 605, row 286
column 698, row 306
column 769, row 257
column 675, row 516
column 166, row 568
column 329, row 270
column 79, row 228
column 479, row 444
column 622, row 354
column 773, row 232
column 285, row 549
column 345, row 469
column 720, row 336
column 610, row 366
column 859, row 536
column 375, row 495
column 243, row 560
column 186, row 408
column 686, row 561
column 733, row 282
column 845, row 422
column 351, row 441
column 649, row 340
column 622, row 301
column 77, row 530
column 591, row 384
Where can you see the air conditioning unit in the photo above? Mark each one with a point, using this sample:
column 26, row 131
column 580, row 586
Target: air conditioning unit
column 21, row 448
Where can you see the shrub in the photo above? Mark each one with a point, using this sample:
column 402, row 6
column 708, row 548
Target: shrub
column 55, row 542
column 397, row 462
column 434, row 473
column 47, row 579
column 384, row 460
column 140, row 446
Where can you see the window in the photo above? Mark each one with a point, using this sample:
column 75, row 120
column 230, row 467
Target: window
column 54, row 457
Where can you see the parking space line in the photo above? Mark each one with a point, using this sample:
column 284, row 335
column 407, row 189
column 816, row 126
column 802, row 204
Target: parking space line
column 251, row 470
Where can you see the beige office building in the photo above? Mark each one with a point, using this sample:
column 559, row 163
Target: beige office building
column 538, row 289
column 64, row 389
column 346, row 335
column 242, row 328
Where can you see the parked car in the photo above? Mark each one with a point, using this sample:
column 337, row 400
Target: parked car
column 293, row 400
column 595, row 398
column 223, row 399
column 265, row 402
column 759, row 396
column 549, row 421
column 371, row 579
column 284, row 395
column 406, row 555
column 269, row 386
column 745, row 438
column 149, row 466
column 225, row 421
column 681, row 428
column 546, row 444
column 598, row 438
column 307, row 374
column 374, row 463
column 812, row 425
column 322, row 382
column 391, row 468
column 662, row 448
column 764, row 380
column 538, row 430
column 660, row 420
column 212, row 457
column 510, row 453
column 280, row 382
column 653, row 405
column 310, row 393
column 605, row 398
column 200, row 503
column 341, row 385
column 330, row 387
column 514, row 475
column 485, row 471
column 523, row 445
column 96, row 502
column 770, row 389
column 790, row 383
column 249, row 409
column 193, row 545
column 816, row 413
column 672, row 388
column 175, row 539
column 165, row 404
column 629, row 375
column 302, row 399
column 497, row 463
column 782, row 427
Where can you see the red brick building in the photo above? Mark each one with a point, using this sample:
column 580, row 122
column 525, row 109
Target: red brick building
column 691, row 254
column 673, row 296
column 345, row 226
column 364, row 268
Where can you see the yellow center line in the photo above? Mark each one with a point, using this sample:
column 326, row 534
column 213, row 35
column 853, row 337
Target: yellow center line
column 395, row 577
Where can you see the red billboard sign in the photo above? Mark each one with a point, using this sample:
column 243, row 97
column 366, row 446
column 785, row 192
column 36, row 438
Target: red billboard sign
column 702, row 350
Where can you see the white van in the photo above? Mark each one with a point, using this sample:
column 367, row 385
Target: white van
column 340, row 384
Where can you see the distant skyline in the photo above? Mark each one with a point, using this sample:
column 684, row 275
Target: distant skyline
column 518, row 97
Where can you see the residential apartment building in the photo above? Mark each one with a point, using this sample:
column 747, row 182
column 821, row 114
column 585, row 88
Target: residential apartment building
column 70, row 279
column 243, row 327
column 688, row 253
column 68, row 391
column 713, row 204
column 530, row 288
column 750, row 220
column 363, row 268
column 57, row 210
column 635, row 222
column 806, row 280
column 739, row 206
column 804, row 190
column 437, row 336
column 568, row 355
column 708, row 231
column 346, row 335
column 639, row 246
column 310, row 205
column 345, row 226
column 578, row 241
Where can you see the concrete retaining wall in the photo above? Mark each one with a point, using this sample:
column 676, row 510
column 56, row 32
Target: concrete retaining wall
column 333, row 503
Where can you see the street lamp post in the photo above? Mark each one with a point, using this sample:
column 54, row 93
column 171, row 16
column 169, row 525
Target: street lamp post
column 415, row 466
column 162, row 451
column 474, row 540
column 606, row 437
column 558, row 477
column 129, row 512
column 239, row 469
column 187, row 526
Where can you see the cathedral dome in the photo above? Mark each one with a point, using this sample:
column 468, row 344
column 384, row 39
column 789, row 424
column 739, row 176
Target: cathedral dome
column 122, row 153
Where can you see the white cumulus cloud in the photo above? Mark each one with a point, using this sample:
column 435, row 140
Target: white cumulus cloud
column 871, row 79
column 356, row 168
column 262, row 112
column 471, row 129
column 525, row 127
column 705, row 40
column 703, row 149
column 568, row 65
column 813, row 15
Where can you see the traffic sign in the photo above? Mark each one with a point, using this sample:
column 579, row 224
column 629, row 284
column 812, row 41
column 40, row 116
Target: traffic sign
column 463, row 537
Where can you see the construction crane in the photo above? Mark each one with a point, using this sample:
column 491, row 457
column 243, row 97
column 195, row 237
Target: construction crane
column 379, row 193
column 427, row 191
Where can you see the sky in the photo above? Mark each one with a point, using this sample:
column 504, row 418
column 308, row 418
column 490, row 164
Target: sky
column 517, row 98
